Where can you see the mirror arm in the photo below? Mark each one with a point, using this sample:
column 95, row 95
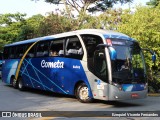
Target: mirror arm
column 151, row 51
column 102, row 45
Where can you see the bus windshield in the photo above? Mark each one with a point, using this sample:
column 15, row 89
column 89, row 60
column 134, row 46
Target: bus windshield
column 129, row 67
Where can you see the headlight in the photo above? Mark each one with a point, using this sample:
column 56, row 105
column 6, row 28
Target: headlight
column 117, row 85
column 146, row 86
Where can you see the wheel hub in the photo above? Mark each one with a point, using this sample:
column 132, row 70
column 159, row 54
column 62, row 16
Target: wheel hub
column 84, row 93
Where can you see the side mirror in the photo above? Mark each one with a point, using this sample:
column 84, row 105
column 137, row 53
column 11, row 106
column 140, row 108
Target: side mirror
column 154, row 58
column 113, row 53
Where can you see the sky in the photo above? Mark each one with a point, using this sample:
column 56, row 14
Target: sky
column 31, row 7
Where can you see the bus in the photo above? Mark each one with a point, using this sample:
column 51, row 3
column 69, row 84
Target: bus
column 88, row 63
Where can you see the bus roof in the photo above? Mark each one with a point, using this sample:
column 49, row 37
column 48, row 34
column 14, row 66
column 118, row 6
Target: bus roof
column 106, row 33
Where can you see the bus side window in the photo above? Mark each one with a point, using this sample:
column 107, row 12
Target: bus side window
column 56, row 47
column 12, row 51
column 20, row 51
column 1, row 56
column 74, row 48
column 6, row 53
column 31, row 52
column 42, row 49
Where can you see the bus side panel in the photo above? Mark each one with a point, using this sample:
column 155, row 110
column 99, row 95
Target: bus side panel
column 54, row 74
column 9, row 68
column 1, row 68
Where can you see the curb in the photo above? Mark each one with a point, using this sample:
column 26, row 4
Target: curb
column 154, row 94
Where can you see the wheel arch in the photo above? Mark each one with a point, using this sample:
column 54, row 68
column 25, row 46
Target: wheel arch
column 12, row 78
column 80, row 82
column 76, row 85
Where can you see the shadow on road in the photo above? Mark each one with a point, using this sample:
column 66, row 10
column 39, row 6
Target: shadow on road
column 119, row 104
column 42, row 92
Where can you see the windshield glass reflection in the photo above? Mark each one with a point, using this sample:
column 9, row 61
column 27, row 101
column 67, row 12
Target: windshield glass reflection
column 129, row 66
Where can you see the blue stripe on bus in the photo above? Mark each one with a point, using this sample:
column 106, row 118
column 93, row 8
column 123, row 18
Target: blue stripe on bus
column 38, row 82
column 133, row 87
column 62, row 80
column 119, row 37
column 37, row 74
column 29, row 77
column 45, row 77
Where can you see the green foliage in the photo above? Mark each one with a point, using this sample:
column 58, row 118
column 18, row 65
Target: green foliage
column 55, row 23
column 143, row 25
column 2, row 43
column 30, row 28
column 8, row 19
column 108, row 20
column 14, row 27
column 103, row 5
column 83, row 5
column 153, row 3
column 9, row 27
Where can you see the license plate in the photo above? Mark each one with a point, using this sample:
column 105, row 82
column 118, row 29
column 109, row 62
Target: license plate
column 134, row 95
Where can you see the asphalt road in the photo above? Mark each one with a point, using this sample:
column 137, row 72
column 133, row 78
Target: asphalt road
column 34, row 100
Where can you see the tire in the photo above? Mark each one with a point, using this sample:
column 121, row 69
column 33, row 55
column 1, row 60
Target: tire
column 14, row 83
column 82, row 93
column 20, row 84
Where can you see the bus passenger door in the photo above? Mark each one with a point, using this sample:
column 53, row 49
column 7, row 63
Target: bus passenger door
column 101, row 71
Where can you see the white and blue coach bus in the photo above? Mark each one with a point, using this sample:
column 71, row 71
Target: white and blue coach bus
column 90, row 64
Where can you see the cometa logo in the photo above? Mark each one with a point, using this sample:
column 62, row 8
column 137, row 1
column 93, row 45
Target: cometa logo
column 57, row 64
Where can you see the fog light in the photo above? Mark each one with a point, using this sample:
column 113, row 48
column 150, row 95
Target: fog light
column 120, row 88
column 116, row 97
column 117, row 85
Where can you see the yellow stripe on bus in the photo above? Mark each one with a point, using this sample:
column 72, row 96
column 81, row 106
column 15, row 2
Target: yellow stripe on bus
column 21, row 61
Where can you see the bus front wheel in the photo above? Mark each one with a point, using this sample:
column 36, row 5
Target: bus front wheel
column 82, row 93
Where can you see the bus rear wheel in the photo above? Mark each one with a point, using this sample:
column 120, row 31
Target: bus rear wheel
column 82, row 93
column 14, row 83
column 20, row 84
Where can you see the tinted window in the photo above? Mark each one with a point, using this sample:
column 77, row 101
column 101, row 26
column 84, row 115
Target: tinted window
column 42, row 49
column 31, row 52
column 74, row 48
column 1, row 56
column 6, row 53
column 20, row 51
column 91, row 41
column 12, row 52
column 57, row 48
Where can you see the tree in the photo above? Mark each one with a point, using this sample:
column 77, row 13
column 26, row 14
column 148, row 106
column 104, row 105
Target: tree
column 30, row 28
column 108, row 20
column 82, row 6
column 8, row 19
column 10, row 25
column 143, row 25
column 2, row 43
column 55, row 23
column 153, row 3
column 14, row 27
